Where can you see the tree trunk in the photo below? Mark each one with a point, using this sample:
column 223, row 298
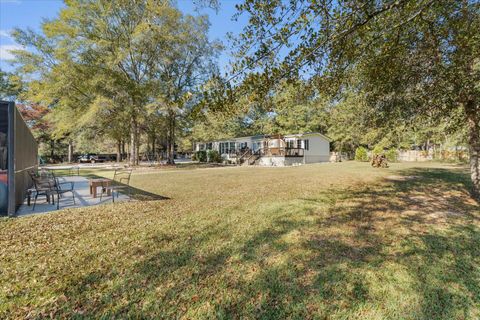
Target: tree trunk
column 119, row 150
column 133, row 143
column 473, row 118
column 123, row 150
column 153, row 148
column 171, row 140
column 52, row 150
column 138, row 149
column 70, row 151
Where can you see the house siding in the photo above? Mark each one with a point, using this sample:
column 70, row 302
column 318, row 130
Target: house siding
column 318, row 151
column 318, row 148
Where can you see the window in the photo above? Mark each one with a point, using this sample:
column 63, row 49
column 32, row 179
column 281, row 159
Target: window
column 299, row 144
column 306, row 143
column 209, row 146
column 290, row 144
column 226, row 147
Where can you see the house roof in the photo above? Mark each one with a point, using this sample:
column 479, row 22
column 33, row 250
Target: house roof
column 309, row 134
column 262, row 136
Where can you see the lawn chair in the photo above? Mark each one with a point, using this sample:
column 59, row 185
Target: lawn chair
column 42, row 187
column 59, row 189
column 120, row 181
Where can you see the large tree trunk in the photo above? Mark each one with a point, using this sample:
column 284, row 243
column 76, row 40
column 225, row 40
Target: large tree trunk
column 473, row 118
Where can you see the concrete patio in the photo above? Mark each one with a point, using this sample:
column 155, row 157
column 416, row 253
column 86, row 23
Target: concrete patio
column 82, row 198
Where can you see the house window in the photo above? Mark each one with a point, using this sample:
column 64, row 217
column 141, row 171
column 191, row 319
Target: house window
column 299, row 144
column 306, row 143
column 209, row 146
column 222, row 148
column 290, row 144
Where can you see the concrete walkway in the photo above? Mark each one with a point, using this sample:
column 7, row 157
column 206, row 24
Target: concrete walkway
column 82, row 198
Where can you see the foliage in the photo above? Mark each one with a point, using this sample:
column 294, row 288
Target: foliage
column 361, row 154
column 201, row 156
column 411, row 59
column 10, row 86
column 378, row 150
column 392, row 155
column 147, row 57
column 214, row 156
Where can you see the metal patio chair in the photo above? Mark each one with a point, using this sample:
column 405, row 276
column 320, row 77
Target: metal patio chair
column 120, row 181
column 59, row 188
column 42, row 187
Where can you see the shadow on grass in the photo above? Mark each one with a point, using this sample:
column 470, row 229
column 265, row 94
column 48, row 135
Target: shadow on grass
column 408, row 247
column 132, row 192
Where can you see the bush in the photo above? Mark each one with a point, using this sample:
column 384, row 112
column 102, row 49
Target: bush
column 201, row 156
column 392, row 155
column 361, row 154
column 214, row 156
column 378, row 150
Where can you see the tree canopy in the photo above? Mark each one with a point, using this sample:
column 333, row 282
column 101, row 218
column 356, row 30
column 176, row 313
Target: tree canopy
column 410, row 60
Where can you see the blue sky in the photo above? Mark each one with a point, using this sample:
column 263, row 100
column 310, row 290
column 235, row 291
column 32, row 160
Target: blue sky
column 30, row 14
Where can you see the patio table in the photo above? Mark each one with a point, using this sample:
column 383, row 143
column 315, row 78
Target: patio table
column 95, row 183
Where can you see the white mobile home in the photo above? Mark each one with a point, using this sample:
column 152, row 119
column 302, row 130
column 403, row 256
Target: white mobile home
column 273, row 150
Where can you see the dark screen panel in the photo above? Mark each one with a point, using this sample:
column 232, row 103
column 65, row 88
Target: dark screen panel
column 25, row 157
column 3, row 158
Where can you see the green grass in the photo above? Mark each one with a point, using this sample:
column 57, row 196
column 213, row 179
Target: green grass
column 330, row 241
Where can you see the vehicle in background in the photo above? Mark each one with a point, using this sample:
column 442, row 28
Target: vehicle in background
column 90, row 158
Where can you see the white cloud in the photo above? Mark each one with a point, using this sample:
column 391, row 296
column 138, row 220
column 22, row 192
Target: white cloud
column 5, row 53
column 5, row 34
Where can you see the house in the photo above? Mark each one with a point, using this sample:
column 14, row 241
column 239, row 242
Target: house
column 272, row 150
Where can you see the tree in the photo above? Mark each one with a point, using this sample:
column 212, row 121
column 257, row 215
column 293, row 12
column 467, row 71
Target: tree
column 181, row 71
column 297, row 109
column 10, row 86
column 410, row 58
column 101, row 64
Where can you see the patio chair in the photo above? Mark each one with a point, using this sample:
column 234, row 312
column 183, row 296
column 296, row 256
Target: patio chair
column 42, row 187
column 49, row 185
column 120, row 181
column 59, row 189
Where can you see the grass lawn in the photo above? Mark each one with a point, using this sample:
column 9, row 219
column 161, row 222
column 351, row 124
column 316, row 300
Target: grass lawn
column 329, row 241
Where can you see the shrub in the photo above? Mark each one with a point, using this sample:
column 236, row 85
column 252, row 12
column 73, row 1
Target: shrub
column 378, row 150
column 201, row 156
column 361, row 154
column 392, row 155
column 214, row 156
